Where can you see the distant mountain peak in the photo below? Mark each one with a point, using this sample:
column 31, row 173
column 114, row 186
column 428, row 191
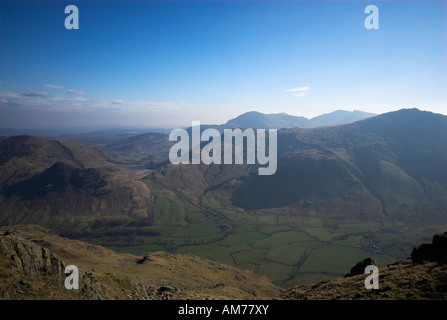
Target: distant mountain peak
column 258, row 120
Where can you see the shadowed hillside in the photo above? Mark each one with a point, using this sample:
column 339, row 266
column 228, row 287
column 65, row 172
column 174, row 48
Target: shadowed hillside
column 391, row 165
column 67, row 186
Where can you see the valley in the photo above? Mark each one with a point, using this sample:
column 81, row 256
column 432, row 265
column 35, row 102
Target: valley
column 33, row 260
column 374, row 188
column 285, row 248
column 223, row 150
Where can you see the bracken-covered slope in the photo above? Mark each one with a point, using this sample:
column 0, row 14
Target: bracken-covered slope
column 33, row 260
column 401, row 281
column 422, row 276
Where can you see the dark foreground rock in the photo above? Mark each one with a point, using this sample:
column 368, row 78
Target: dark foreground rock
column 434, row 252
column 359, row 268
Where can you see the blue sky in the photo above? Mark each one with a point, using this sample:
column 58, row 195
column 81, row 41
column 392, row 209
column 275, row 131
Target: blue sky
column 155, row 63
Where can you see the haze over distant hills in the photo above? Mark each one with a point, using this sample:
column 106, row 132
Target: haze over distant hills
column 94, row 135
column 154, row 145
column 104, row 135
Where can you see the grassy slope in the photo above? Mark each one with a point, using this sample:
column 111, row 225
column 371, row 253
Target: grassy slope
column 119, row 276
column 401, row 281
column 193, row 277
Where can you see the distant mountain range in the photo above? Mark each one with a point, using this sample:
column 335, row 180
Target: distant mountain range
column 115, row 138
column 391, row 167
column 257, row 120
column 154, row 146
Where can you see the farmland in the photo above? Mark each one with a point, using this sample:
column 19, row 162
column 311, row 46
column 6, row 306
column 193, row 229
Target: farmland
column 287, row 249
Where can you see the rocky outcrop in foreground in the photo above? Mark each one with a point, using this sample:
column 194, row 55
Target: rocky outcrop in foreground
column 35, row 270
column 33, row 261
column 424, row 276
column 359, row 268
column 435, row 251
column 28, row 257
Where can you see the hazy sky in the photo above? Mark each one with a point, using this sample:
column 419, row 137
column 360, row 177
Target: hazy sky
column 154, row 63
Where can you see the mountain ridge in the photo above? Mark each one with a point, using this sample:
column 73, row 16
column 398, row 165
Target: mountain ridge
column 66, row 185
column 154, row 146
column 258, row 120
column 391, row 166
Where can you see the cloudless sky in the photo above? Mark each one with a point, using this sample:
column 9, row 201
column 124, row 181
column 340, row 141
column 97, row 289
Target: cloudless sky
column 166, row 63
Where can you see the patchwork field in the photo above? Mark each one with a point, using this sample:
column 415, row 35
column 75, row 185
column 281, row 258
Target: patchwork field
column 285, row 248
